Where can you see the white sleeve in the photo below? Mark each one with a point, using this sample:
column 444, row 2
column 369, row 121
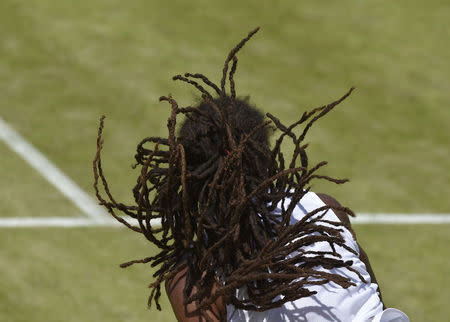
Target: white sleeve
column 391, row 315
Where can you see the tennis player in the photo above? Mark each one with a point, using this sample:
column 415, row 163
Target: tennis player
column 241, row 236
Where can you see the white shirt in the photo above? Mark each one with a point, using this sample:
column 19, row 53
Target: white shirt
column 331, row 302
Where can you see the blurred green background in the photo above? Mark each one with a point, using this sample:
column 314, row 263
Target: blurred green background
column 65, row 63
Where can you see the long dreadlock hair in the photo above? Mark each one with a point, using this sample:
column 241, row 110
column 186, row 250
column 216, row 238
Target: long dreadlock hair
column 215, row 188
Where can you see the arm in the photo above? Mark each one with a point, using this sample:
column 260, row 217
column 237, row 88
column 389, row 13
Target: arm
column 183, row 312
column 343, row 217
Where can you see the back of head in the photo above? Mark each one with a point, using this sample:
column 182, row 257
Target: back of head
column 204, row 136
column 214, row 188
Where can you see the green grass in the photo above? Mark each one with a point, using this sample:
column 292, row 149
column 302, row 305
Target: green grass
column 411, row 267
column 73, row 274
column 65, row 63
column 25, row 193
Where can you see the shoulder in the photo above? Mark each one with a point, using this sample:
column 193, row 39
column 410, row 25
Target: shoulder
column 342, row 215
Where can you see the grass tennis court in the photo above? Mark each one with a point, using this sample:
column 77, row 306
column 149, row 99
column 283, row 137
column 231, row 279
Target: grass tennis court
column 63, row 64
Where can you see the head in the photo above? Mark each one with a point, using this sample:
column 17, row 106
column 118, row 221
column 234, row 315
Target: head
column 214, row 188
column 204, row 136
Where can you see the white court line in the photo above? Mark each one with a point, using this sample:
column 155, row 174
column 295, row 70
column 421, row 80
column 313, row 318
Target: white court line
column 412, row 219
column 50, row 172
column 46, row 222
column 401, row 219
column 19, row 222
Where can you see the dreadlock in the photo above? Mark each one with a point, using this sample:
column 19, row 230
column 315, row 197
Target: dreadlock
column 215, row 189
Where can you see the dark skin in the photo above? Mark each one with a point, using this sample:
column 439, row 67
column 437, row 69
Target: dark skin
column 174, row 289
column 175, row 286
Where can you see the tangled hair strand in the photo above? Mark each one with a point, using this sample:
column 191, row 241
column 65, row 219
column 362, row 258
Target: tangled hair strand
column 218, row 193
